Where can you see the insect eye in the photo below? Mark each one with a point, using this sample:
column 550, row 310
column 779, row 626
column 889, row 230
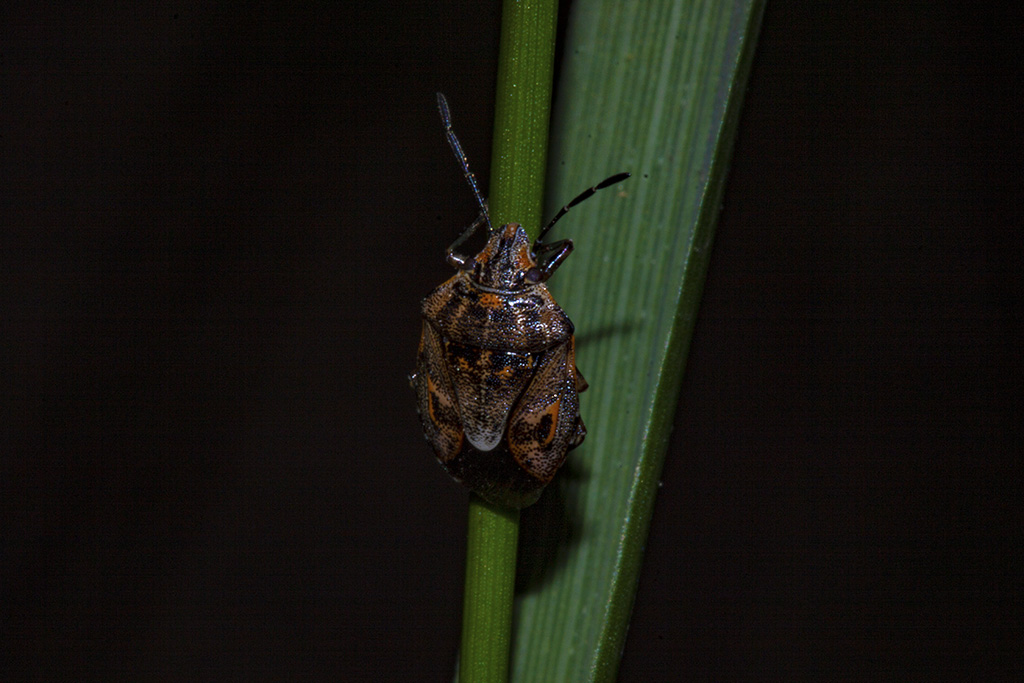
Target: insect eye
column 534, row 275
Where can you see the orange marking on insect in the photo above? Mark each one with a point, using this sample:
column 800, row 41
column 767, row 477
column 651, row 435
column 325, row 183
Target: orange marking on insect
column 490, row 300
column 436, row 398
column 525, row 261
column 432, row 399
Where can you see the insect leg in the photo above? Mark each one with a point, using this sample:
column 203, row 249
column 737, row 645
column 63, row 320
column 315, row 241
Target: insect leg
column 550, row 256
column 458, row 260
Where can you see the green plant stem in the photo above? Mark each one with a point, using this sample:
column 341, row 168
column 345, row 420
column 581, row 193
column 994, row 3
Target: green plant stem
column 521, row 119
column 493, row 533
column 522, row 112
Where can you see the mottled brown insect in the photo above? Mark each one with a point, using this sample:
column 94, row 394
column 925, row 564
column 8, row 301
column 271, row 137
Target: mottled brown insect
column 496, row 382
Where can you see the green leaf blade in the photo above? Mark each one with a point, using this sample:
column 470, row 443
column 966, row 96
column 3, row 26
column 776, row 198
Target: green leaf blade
column 653, row 89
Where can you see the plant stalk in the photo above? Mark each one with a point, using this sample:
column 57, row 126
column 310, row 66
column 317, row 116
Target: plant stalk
column 519, row 160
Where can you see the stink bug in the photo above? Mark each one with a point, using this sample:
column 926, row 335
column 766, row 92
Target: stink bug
column 496, row 380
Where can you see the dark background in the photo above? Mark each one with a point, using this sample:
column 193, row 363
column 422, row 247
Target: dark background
column 217, row 226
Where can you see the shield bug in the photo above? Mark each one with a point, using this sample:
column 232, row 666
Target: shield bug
column 496, row 380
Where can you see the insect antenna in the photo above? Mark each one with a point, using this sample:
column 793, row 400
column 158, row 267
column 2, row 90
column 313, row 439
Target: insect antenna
column 446, row 120
column 586, row 194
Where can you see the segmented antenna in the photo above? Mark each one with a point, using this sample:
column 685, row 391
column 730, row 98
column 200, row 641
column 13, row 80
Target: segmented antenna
column 446, row 120
column 586, row 194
